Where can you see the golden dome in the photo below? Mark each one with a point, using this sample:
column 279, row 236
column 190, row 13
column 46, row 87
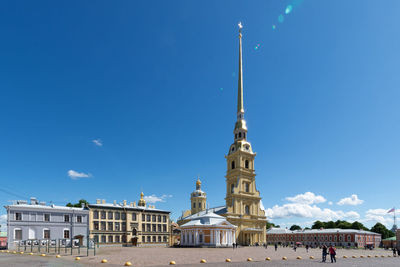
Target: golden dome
column 142, row 202
column 198, row 182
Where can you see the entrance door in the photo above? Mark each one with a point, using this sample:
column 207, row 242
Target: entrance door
column 134, row 241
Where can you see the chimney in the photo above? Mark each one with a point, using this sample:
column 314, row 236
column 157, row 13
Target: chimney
column 33, row 201
column 103, row 201
column 98, row 201
column 124, row 202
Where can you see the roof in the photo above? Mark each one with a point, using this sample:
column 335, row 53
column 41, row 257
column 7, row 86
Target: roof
column 208, row 219
column 127, row 207
column 217, row 210
column 319, row 231
column 393, row 238
column 38, row 206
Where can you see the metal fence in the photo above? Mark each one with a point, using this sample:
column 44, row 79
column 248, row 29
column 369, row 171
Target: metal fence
column 57, row 246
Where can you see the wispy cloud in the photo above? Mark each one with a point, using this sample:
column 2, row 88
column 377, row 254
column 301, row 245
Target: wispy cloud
column 306, row 198
column 74, row 175
column 3, row 222
column 154, row 199
column 353, row 200
column 98, row 142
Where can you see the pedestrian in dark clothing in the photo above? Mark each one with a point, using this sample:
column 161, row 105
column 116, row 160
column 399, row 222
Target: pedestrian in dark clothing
column 332, row 252
column 294, row 248
column 307, row 248
column 324, row 253
column 398, row 251
column 394, row 252
column 276, row 247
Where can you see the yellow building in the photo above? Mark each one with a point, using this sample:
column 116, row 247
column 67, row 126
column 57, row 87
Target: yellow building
column 242, row 206
column 123, row 223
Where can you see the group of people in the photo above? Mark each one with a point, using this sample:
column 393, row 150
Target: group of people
column 331, row 251
column 396, row 250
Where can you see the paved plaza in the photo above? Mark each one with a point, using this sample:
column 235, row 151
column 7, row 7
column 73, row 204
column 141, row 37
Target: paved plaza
column 117, row 256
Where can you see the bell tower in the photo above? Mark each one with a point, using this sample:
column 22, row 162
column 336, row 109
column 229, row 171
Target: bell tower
column 198, row 198
column 242, row 198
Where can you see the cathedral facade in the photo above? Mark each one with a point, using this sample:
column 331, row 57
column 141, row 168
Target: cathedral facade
column 243, row 201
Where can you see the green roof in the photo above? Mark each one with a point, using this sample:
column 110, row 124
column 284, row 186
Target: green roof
column 393, row 238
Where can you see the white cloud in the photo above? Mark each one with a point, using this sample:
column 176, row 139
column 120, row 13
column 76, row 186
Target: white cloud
column 379, row 215
column 98, row 142
column 330, row 203
column 308, row 211
column 306, row 198
column 3, row 222
column 352, row 200
column 74, row 175
column 154, row 199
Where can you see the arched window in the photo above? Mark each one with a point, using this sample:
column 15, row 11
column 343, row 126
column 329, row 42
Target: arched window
column 244, row 135
column 240, row 135
column 194, row 204
column 233, row 164
column 247, row 187
column 247, row 209
column 246, row 164
column 232, row 188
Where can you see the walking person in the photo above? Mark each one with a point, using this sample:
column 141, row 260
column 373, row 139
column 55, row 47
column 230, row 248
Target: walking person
column 394, row 252
column 332, row 253
column 276, row 247
column 307, row 248
column 324, row 253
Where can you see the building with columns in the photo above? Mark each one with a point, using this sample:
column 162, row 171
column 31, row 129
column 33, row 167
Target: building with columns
column 243, row 200
column 208, row 229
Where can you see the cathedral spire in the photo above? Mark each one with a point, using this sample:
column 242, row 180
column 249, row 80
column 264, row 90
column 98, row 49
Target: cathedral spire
column 240, row 108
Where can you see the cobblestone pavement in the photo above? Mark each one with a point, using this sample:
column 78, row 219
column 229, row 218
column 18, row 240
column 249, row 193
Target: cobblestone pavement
column 215, row 257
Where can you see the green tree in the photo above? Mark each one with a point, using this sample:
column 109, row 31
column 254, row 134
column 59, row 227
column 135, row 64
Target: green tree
column 79, row 204
column 295, row 227
column 381, row 229
column 358, row 226
column 342, row 224
column 330, row 225
column 269, row 225
column 318, row 225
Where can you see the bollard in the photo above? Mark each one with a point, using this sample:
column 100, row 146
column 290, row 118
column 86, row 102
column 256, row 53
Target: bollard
column 21, row 252
column 345, row 257
column 172, row 263
column 376, row 256
column 43, row 255
column 104, row 261
column 298, row 257
column 249, row 259
column 362, row 256
column 311, row 257
column 353, row 256
column 77, row 258
column 383, row 256
column 284, row 258
column 267, row 258
column 203, row 261
column 369, row 256
column 14, row 252
column 58, row 256
column 228, row 260
column 128, row 263
column 30, row 253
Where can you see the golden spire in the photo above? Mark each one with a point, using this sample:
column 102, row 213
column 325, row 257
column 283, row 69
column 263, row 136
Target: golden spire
column 198, row 183
column 240, row 108
column 142, row 202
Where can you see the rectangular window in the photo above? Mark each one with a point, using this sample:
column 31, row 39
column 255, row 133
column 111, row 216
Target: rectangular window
column 164, row 218
column 154, row 227
column 123, row 226
column 123, row 216
column 103, row 214
column 117, row 227
column 154, row 218
column 148, row 218
column 159, row 239
column 96, row 238
column 144, row 239
column 148, row 226
column 96, row 225
column 133, row 216
column 110, row 226
column 79, row 219
column 143, row 227
column 159, row 228
column 149, row 239
column 103, row 239
column 247, row 185
column 17, row 234
column 110, row 215
column 46, row 234
column 117, row 215
column 117, row 239
column 66, row 218
column 154, row 238
column 66, row 233
column 95, row 214
column 47, row 217
column 164, row 239
column 164, row 228
column 33, row 217
column 143, row 217
column 103, row 226
column 18, row 216
column 110, row 239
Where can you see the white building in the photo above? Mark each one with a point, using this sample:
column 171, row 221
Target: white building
column 208, row 229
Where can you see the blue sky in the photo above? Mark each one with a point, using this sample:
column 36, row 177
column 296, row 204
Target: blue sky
column 156, row 83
